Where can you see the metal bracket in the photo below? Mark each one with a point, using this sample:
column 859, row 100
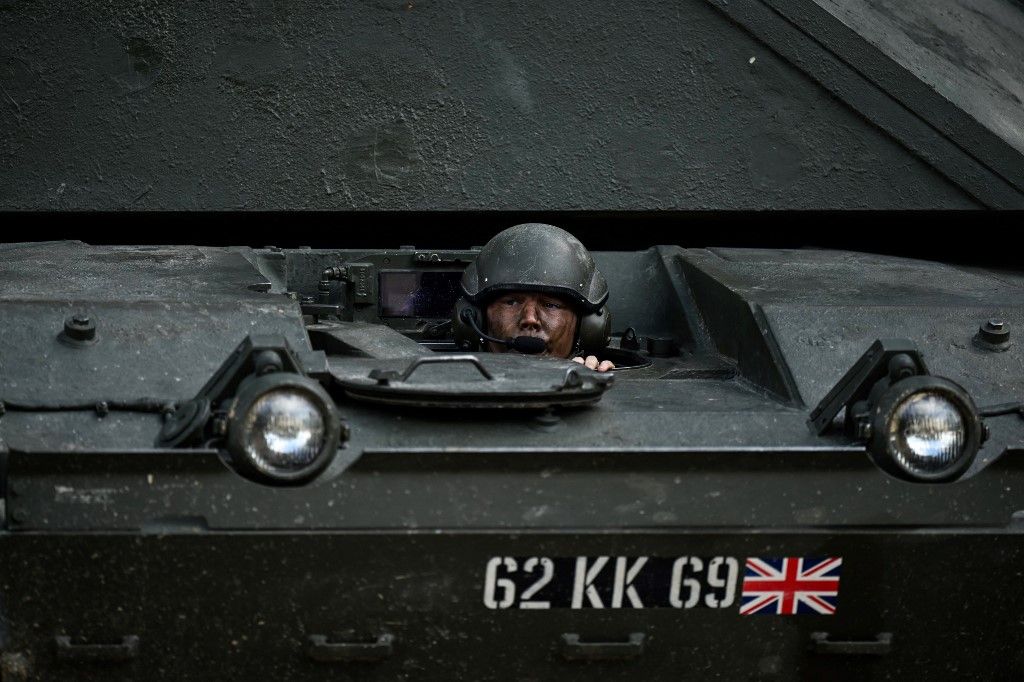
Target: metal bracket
column 318, row 309
column 363, row 278
column 858, row 381
column 185, row 425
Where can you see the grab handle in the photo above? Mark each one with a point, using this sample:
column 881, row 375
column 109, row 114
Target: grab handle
column 342, row 652
column 879, row 646
column 126, row 650
column 575, row 650
column 386, row 376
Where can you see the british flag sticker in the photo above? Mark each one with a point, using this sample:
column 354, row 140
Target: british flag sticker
column 790, row 585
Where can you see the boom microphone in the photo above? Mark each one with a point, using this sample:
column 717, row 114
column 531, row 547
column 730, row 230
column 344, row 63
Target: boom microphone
column 529, row 345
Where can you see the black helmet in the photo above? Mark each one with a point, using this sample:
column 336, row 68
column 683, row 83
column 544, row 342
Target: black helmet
column 537, row 257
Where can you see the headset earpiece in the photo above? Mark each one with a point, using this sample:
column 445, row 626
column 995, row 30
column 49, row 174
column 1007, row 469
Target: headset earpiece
column 466, row 337
column 595, row 331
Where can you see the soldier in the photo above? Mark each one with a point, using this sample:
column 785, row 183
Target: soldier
column 534, row 288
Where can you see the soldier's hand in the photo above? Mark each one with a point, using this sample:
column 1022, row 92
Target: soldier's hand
column 592, row 363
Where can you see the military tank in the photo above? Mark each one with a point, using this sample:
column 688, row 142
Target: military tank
column 806, row 464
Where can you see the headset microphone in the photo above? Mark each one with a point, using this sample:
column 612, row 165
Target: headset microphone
column 529, row 345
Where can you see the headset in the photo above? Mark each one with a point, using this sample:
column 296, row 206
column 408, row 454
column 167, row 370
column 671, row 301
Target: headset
column 593, row 331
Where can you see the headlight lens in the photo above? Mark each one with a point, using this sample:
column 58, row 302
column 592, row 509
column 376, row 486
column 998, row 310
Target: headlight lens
column 926, row 433
column 284, row 430
column 926, row 429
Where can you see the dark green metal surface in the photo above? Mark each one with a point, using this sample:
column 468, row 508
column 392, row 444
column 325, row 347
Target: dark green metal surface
column 243, row 606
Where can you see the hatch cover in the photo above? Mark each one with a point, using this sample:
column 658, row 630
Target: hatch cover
column 504, row 381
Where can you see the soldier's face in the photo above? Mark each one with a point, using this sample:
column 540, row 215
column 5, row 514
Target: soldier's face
column 522, row 313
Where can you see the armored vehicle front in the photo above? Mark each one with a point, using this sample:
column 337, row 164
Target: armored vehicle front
column 251, row 463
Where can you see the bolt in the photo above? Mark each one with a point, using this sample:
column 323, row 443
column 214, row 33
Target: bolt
column 547, row 419
column 994, row 334
column 19, row 516
column 80, row 328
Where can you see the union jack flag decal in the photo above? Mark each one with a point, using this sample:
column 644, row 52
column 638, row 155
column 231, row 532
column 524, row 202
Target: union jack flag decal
column 791, row 585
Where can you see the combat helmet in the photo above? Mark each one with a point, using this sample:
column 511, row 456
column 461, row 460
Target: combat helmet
column 536, row 257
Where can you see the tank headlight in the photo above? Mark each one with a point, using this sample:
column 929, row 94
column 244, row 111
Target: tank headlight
column 925, row 428
column 282, row 428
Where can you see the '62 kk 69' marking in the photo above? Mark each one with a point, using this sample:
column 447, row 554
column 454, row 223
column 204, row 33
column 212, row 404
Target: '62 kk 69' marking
column 600, row 582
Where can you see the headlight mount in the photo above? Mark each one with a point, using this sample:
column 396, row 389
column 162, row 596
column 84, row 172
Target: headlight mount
column 302, row 414
column 915, row 426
